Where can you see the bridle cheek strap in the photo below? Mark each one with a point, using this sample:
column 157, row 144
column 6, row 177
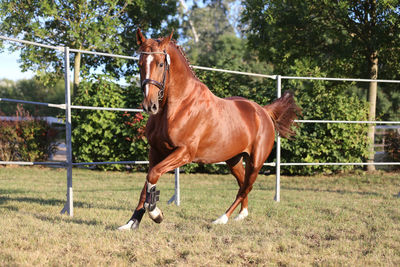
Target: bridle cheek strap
column 161, row 85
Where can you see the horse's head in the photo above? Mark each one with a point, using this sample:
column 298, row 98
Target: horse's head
column 154, row 66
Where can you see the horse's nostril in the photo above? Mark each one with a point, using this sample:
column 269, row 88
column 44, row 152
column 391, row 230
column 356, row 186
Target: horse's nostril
column 154, row 107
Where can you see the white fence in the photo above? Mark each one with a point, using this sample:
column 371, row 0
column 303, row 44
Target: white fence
column 68, row 164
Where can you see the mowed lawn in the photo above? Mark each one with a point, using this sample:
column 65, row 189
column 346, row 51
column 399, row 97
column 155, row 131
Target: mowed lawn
column 348, row 219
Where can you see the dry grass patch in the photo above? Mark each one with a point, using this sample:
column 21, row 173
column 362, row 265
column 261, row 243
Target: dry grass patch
column 321, row 220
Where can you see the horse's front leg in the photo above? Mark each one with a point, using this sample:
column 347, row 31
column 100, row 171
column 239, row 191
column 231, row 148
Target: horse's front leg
column 177, row 158
column 149, row 195
column 134, row 222
column 137, row 215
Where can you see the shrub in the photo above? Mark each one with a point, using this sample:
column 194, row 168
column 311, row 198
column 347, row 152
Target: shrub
column 324, row 142
column 8, row 141
column 26, row 138
column 99, row 135
column 392, row 145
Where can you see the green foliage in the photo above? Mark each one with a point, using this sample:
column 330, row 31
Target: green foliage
column 323, row 100
column 210, row 22
column 229, row 52
column 26, row 138
column 99, row 135
column 32, row 90
column 341, row 36
column 106, row 26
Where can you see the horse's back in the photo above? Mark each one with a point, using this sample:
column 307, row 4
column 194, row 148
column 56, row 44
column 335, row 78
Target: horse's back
column 242, row 125
column 250, row 110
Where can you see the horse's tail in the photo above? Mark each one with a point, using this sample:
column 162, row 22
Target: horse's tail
column 283, row 111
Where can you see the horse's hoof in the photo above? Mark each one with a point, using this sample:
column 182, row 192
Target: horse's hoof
column 221, row 220
column 156, row 215
column 132, row 224
column 126, row 226
column 243, row 214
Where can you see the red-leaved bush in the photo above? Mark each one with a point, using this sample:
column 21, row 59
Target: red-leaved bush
column 26, row 138
column 392, row 145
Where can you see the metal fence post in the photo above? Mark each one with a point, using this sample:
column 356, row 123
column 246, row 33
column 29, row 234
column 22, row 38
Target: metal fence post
column 177, row 195
column 69, row 205
column 277, row 197
column 177, row 188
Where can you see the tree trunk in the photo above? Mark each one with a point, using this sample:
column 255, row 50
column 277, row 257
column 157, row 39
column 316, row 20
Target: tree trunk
column 77, row 68
column 373, row 87
column 185, row 9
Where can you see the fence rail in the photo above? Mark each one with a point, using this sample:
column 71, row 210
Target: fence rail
column 32, row 163
column 338, row 79
column 356, row 122
column 68, row 108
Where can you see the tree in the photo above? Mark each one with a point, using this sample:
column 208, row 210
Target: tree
column 89, row 25
column 342, row 36
column 32, row 90
column 230, row 52
column 220, row 47
column 210, row 22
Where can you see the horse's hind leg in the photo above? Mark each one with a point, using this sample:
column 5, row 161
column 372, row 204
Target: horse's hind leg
column 237, row 169
column 251, row 173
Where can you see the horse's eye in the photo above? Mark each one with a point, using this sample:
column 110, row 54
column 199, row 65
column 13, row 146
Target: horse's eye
column 161, row 65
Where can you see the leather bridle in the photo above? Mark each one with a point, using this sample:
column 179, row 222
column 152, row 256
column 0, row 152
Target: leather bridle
column 160, row 85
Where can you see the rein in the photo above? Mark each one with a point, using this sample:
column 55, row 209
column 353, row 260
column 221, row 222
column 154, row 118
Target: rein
column 161, row 85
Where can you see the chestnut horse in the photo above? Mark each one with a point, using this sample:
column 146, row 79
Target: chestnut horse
column 188, row 123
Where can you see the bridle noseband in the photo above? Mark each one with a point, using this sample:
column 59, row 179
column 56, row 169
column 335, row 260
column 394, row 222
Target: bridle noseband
column 161, row 86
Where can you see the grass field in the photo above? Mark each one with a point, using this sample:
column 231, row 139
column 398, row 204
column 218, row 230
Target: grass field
column 351, row 220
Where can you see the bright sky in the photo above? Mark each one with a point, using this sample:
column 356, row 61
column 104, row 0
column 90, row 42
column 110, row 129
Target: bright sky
column 9, row 67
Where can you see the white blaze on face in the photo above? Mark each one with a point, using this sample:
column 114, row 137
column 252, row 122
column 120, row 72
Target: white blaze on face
column 149, row 59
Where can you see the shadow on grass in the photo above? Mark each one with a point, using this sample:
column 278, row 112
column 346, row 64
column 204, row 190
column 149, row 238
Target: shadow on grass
column 48, row 218
column 10, row 208
column 11, row 191
column 127, row 189
column 59, row 202
column 337, row 191
column 51, row 219
column 41, row 201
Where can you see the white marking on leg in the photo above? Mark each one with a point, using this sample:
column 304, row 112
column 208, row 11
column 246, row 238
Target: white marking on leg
column 149, row 59
column 150, row 186
column 243, row 214
column 126, row 226
column 154, row 213
column 221, row 220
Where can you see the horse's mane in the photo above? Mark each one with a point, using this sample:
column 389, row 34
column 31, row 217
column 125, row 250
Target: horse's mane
column 182, row 52
column 180, row 49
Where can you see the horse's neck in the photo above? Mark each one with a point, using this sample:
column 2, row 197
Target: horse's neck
column 182, row 81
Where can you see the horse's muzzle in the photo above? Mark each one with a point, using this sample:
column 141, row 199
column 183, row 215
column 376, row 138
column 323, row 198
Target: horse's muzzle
column 151, row 107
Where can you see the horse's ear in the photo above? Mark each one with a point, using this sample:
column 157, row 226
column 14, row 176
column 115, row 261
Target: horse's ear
column 166, row 40
column 140, row 37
